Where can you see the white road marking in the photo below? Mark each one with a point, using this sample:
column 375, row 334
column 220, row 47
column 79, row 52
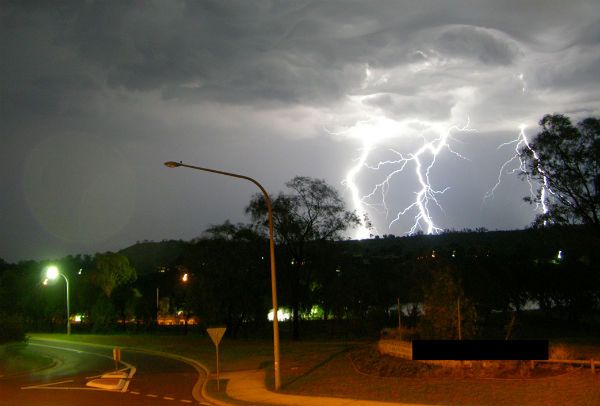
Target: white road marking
column 168, row 398
column 132, row 369
column 46, row 384
column 67, row 388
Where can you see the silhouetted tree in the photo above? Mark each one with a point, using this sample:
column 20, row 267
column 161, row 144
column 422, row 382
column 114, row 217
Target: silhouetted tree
column 313, row 211
column 565, row 160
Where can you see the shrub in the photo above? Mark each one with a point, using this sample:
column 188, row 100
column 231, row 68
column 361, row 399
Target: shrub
column 104, row 316
column 11, row 328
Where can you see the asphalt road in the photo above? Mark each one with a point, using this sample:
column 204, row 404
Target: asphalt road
column 156, row 380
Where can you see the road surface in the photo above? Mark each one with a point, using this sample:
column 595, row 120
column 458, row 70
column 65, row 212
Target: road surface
column 155, row 380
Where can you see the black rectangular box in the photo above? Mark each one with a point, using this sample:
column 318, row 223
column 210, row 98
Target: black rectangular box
column 480, row 350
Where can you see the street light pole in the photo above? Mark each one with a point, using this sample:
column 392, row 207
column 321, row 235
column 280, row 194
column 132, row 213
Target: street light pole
column 276, row 368
column 52, row 273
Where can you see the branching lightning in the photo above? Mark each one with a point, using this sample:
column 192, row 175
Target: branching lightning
column 418, row 163
column 373, row 133
column 520, row 143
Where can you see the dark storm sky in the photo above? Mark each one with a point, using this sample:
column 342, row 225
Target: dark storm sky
column 96, row 95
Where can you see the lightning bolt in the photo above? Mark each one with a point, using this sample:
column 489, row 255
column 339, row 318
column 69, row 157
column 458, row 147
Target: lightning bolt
column 375, row 132
column 520, row 143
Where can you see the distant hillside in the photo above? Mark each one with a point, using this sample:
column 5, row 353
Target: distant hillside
column 500, row 242
column 148, row 256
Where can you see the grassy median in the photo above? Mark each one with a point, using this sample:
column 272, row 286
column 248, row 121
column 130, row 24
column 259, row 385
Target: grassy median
column 18, row 358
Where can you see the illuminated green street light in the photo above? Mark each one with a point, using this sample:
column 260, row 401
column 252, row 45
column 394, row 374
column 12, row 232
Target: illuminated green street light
column 276, row 369
column 52, row 273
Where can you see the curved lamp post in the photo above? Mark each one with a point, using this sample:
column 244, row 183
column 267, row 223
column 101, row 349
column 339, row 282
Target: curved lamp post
column 172, row 164
column 52, row 273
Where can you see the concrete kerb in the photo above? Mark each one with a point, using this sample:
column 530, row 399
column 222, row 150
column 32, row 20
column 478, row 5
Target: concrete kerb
column 110, row 381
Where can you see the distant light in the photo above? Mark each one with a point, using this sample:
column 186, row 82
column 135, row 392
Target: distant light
column 454, row 254
column 45, row 282
column 559, row 255
column 80, row 271
column 433, row 254
column 52, row 272
column 282, row 314
column 184, row 277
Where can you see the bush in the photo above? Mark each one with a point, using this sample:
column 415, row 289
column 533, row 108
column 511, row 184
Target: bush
column 11, row 328
column 440, row 316
column 104, row 316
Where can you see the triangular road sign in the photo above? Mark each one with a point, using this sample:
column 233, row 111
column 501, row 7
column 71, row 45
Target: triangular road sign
column 216, row 334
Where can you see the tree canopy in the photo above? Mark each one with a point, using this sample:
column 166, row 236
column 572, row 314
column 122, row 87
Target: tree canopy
column 312, row 211
column 564, row 160
column 111, row 270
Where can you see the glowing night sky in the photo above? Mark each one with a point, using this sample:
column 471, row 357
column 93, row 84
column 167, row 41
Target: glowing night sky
column 402, row 105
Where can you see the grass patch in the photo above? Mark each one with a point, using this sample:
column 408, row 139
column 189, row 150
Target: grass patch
column 297, row 357
column 18, row 358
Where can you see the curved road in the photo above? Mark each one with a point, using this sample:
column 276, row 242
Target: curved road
column 156, row 380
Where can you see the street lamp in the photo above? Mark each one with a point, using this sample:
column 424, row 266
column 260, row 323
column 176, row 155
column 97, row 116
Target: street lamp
column 52, row 273
column 172, row 164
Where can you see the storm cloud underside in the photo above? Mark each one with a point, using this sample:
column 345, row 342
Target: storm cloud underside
column 96, row 95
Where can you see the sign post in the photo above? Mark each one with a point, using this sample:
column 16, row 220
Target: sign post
column 117, row 357
column 216, row 334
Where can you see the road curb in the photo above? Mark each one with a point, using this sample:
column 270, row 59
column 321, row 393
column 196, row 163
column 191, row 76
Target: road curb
column 197, row 392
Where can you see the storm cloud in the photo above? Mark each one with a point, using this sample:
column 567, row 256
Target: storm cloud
column 97, row 94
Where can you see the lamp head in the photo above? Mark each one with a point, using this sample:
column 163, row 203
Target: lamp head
column 172, row 164
column 52, row 272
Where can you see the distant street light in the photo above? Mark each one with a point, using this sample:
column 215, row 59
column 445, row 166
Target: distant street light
column 172, row 164
column 52, row 273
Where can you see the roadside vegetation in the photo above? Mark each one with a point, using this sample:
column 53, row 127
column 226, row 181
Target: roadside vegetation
column 17, row 358
column 12, row 328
